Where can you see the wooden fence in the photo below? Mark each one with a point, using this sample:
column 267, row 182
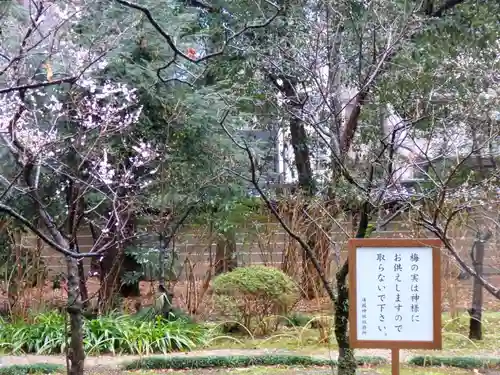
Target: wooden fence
column 266, row 245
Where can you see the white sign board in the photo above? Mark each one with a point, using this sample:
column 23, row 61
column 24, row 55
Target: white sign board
column 394, row 294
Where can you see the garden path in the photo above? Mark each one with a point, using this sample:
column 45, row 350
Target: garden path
column 115, row 361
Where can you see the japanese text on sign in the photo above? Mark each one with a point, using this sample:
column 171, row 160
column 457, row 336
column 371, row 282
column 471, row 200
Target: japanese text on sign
column 392, row 285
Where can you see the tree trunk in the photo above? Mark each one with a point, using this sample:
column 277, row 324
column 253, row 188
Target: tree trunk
column 95, row 262
column 114, row 263
column 166, row 295
column 311, row 283
column 476, row 310
column 225, row 253
column 312, row 286
column 111, row 265
column 346, row 361
column 76, row 353
column 477, row 255
column 84, row 294
column 161, row 263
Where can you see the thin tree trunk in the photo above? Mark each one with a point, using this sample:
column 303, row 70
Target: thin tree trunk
column 76, row 205
column 477, row 255
column 312, row 286
column 84, row 294
column 307, row 184
column 111, row 265
column 476, row 310
column 346, row 361
column 76, row 354
column 167, row 296
column 225, row 253
column 95, row 262
column 161, row 263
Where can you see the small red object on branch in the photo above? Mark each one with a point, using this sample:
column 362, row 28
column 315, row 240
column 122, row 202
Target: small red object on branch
column 191, row 53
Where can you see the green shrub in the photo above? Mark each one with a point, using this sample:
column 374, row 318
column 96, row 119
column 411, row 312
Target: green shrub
column 36, row 368
column 181, row 363
column 106, row 334
column 458, row 362
column 254, row 295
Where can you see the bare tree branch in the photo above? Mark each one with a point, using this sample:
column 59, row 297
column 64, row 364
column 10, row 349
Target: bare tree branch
column 170, row 41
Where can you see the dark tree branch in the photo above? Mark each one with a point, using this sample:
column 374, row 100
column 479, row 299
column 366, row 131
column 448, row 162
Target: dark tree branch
column 170, row 41
column 438, row 231
column 11, row 212
column 178, row 224
column 38, row 85
column 254, row 180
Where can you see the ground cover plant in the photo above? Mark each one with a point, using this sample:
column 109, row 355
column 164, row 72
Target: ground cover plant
column 302, row 333
column 252, row 370
column 458, row 362
column 298, row 370
column 239, row 362
column 116, row 334
column 36, row 368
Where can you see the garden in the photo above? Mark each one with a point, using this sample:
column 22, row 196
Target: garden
column 179, row 181
column 259, row 325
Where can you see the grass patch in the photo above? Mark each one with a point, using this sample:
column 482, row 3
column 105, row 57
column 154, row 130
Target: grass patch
column 456, row 332
column 294, row 338
column 457, row 362
column 36, row 368
column 298, row 335
column 178, row 363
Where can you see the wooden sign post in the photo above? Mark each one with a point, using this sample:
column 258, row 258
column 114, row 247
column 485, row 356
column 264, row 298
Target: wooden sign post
column 395, row 295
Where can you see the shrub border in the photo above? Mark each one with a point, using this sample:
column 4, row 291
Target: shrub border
column 35, row 368
column 201, row 362
column 464, row 362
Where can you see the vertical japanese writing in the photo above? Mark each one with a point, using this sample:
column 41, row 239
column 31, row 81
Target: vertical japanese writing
column 381, row 286
column 363, row 316
column 398, row 316
column 414, row 289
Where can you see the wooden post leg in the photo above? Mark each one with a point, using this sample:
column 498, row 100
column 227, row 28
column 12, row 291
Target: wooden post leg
column 395, row 361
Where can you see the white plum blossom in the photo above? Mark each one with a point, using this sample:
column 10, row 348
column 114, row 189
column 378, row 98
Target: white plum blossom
column 145, row 153
column 40, row 123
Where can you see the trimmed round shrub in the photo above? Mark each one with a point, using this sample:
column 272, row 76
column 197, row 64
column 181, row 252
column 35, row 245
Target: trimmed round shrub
column 255, row 296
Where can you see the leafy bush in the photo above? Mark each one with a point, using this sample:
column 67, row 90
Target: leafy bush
column 107, row 334
column 458, row 362
column 254, row 295
column 181, row 363
column 36, row 368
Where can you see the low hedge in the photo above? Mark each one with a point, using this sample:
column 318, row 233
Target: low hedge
column 458, row 362
column 36, row 368
column 202, row 362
